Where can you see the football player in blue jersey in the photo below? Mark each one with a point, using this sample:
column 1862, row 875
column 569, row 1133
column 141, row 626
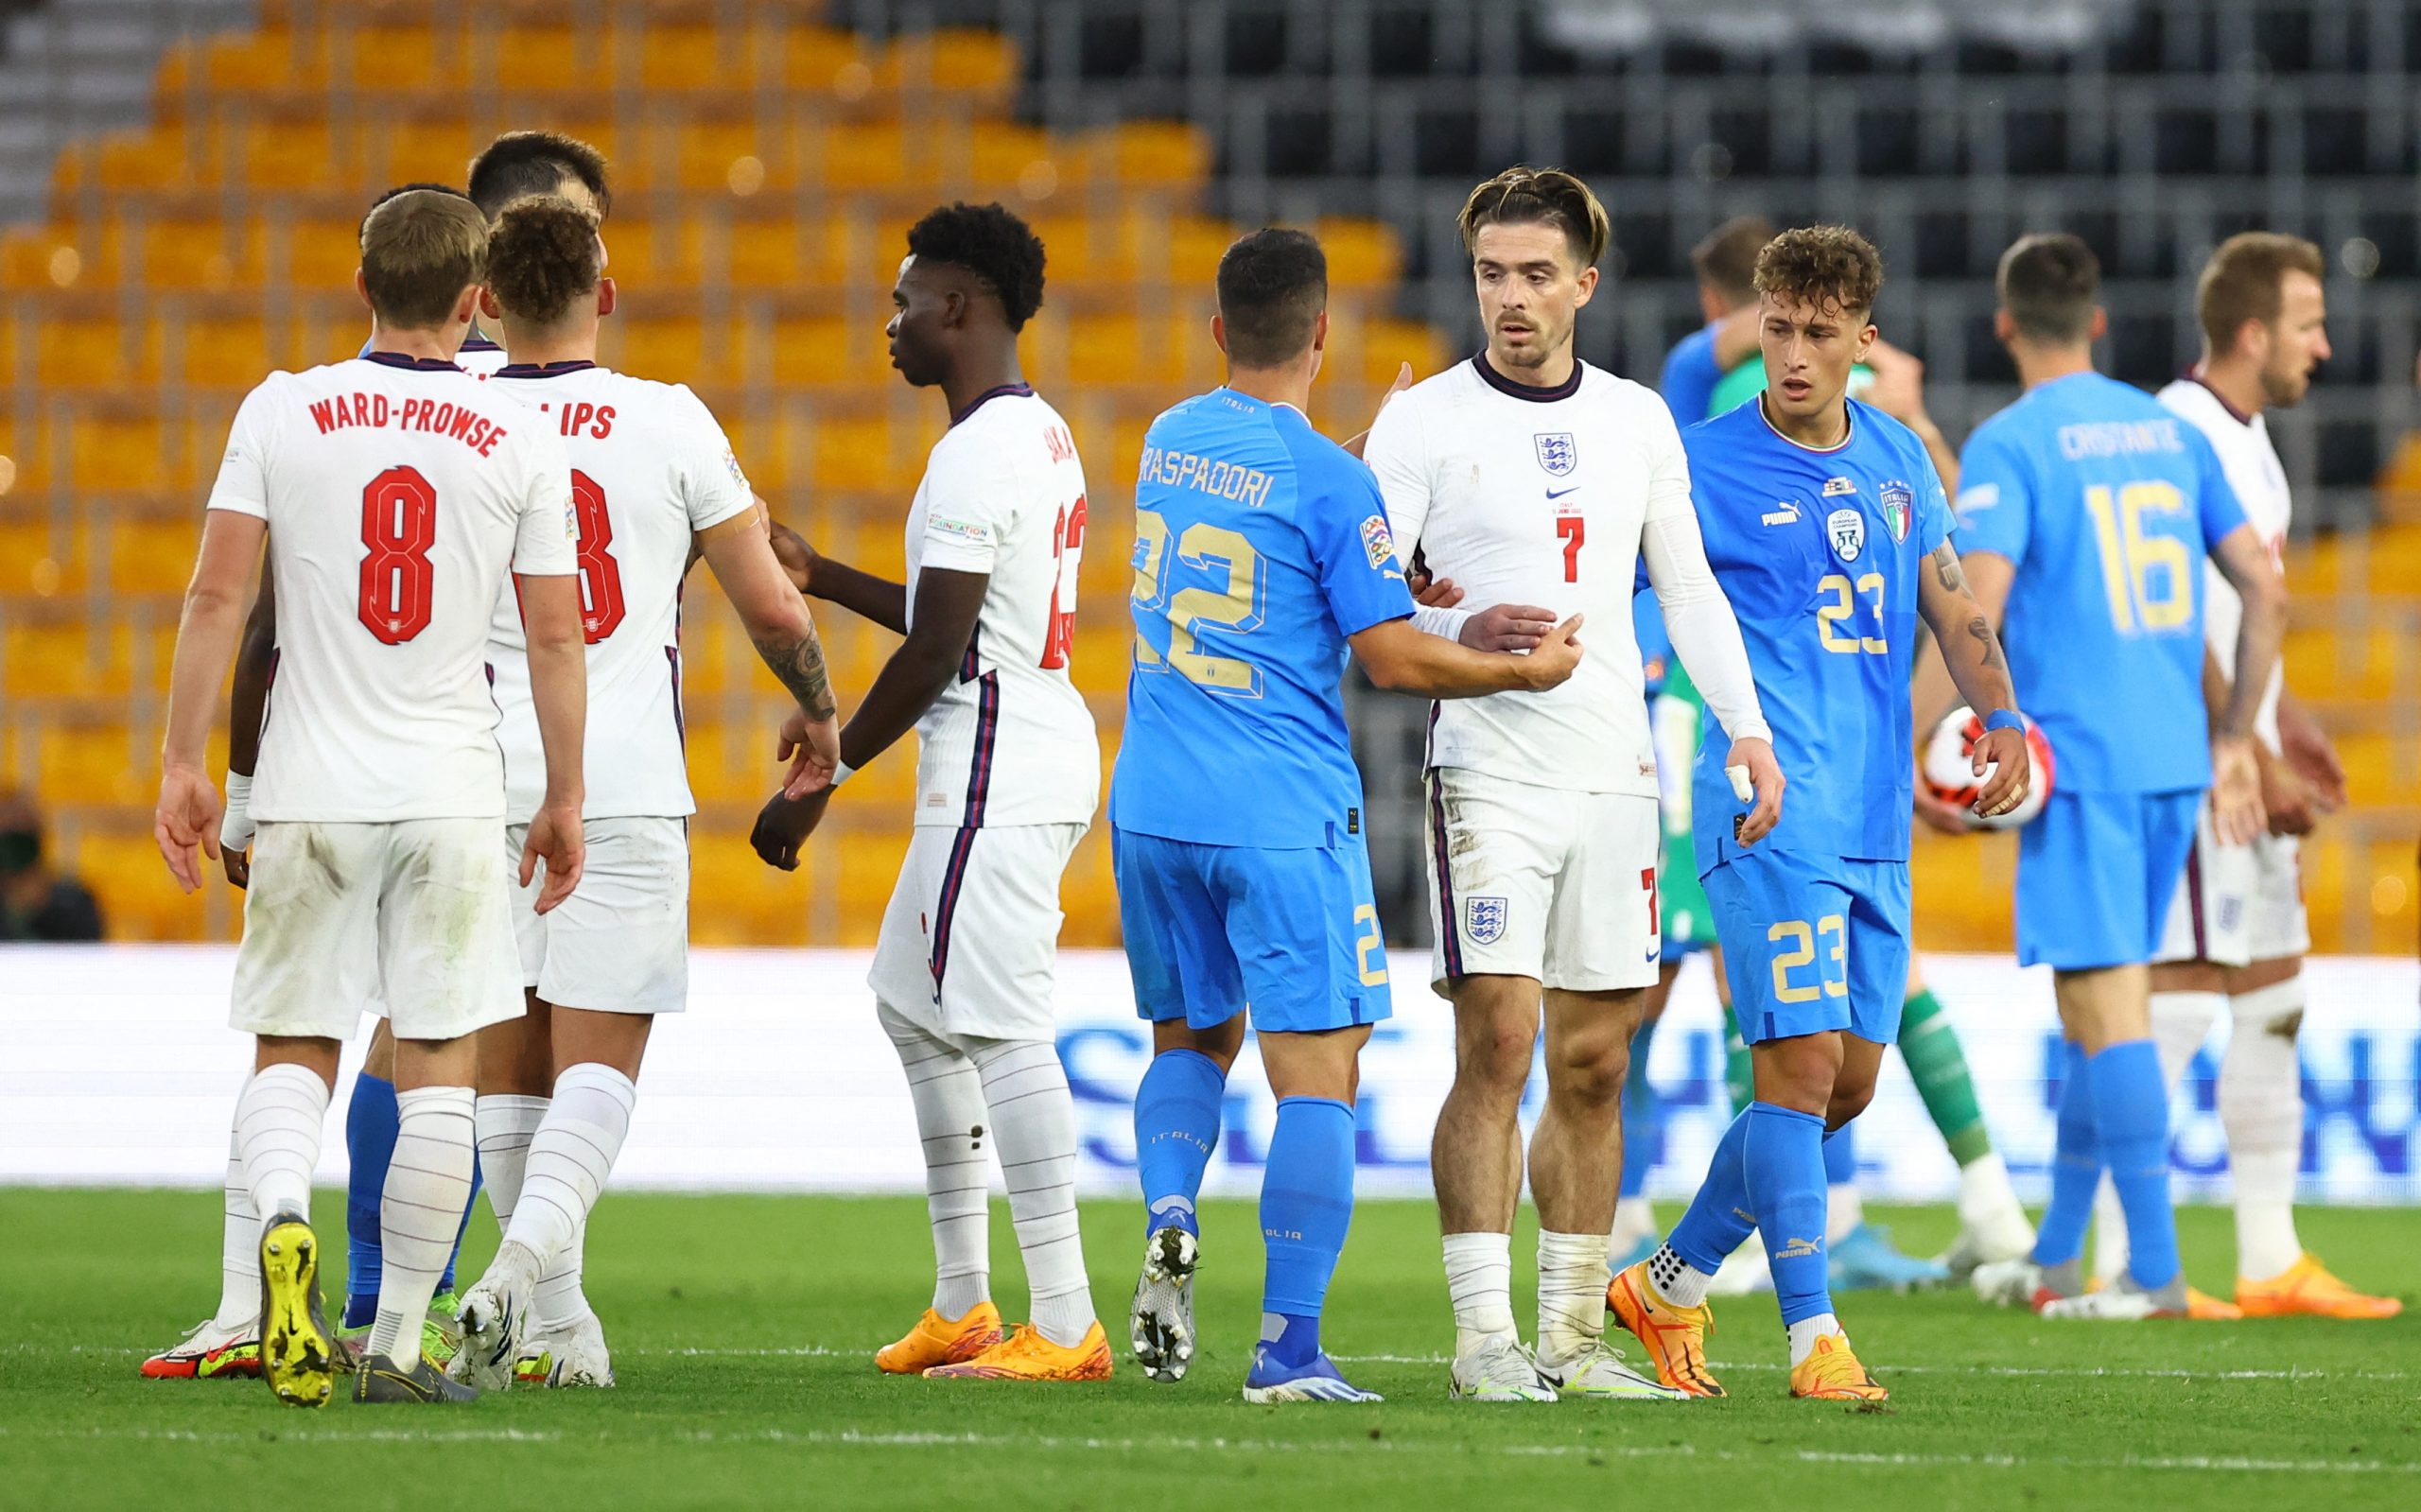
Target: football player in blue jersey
column 1829, row 531
column 1262, row 555
column 2088, row 508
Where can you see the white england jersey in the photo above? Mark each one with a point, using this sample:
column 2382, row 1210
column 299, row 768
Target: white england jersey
column 1010, row 741
column 480, row 358
column 650, row 468
column 401, row 495
column 1538, row 496
column 2251, row 463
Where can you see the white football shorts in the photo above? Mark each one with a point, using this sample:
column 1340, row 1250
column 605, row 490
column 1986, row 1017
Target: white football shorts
column 620, row 942
column 415, row 915
column 971, row 941
column 1541, row 882
column 2238, row 904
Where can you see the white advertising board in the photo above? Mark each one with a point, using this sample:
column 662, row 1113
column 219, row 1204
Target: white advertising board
column 117, row 1067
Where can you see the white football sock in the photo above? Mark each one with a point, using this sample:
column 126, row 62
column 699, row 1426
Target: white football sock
column 1634, row 1222
column 951, row 1121
column 277, row 1128
column 1843, row 1211
column 506, row 1122
column 2261, row 1106
column 1033, row 1123
column 559, row 1304
column 429, row 1183
column 570, row 1158
column 239, row 1248
column 2109, row 1234
column 1479, row 1280
column 1676, row 1279
column 1988, row 1202
column 1804, row 1333
column 1571, row 1294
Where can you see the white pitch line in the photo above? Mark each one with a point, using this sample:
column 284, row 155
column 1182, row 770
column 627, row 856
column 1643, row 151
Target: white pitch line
column 855, row 1438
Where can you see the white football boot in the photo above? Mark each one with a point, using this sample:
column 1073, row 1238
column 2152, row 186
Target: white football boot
column 1500, row 1369
column 2007, row 1283
column 564, row 1358
column 1160, row 1324
column 1598, row 1372
column 495, row 1318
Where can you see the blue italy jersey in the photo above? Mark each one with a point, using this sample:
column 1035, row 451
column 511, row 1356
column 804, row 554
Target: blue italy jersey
column 1690, row 377
column 1819, row 554
column 2107, row 503
column 1260, row 545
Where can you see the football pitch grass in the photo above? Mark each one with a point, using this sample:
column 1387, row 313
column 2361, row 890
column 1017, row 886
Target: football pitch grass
column 742, row 1328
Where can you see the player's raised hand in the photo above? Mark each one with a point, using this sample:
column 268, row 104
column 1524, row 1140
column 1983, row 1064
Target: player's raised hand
column 2003, row 754
column 813, row 747
column 186, row 818
column 1755, row 758
column 783, row 825
column 1402, row 381
column 1507, row 627
column 1558, row 653
column 2235, row 791
column 557, row 840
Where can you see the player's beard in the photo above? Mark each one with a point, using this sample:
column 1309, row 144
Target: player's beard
column 2284, row 391
column 1543, row 343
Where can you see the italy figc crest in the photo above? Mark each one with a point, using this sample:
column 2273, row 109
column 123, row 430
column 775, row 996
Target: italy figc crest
column 1556, row 453
column 1898, row 504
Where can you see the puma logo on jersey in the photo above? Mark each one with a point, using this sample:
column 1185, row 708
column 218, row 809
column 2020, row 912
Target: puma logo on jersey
column 1785, row 513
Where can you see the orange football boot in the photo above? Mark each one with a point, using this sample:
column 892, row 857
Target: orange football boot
column 2305, row 1288
column 939, row 1341
column 1026, row 1355
column 2202, row 1307
column 1674, row 1336
column 1831, row 1373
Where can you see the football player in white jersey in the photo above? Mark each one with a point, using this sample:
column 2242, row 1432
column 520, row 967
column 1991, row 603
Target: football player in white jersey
column 1528, row 478
column 2237, row 934
column 1008, row 773
column 655, row 485
column 381, row 788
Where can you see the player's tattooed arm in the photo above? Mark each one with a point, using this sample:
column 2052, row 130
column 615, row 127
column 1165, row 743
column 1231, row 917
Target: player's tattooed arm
column 1961, row 621
column 784, row 634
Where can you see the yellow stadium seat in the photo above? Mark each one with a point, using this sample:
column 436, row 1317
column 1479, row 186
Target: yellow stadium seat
column 1162, row 153
column 1360, row 254
column 737, row 899
column 952, row 60
column 1002, row 157
column 822, row 351
column 712, row 155
column 93, row 763
column 865, row 155
column 96, row 354
column 398, row 60
column 655, row 254
column 46, row 259
column 786, row 251
column 64, row 657
column 543, row 56
column 668, row 348
column 707, row 637
column 820, row 58
column 160, row 158
column 1382, row 345
column 433, row 151
column 123, row 451
column 36, row 560
column 866, row 454
column 2372, row 770
column 153, row 555
column 202, row 255
column 230, row 352
column 287, row 154
column 139, row 900
column 1112, row 349
column 278, row 58
column 686, row 56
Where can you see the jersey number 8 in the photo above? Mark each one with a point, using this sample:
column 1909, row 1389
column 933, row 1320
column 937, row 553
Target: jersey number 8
column 399, row 525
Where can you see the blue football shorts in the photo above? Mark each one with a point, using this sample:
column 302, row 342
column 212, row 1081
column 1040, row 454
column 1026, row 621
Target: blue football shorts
column 2096, row 871
column 1812, row 943
column 1214, row 930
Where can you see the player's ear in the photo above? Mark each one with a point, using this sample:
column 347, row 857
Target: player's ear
column 2005, row 327
column 1219, row 333
column 466, row 304
column 362, row 286
column 605, row 298
column 1319, row 332
column 1866, row 338
column 1588, row 282
column 2101, row 326
column 489, row 308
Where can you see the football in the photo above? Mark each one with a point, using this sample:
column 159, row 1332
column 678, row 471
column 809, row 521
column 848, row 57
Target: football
column 1948, row 773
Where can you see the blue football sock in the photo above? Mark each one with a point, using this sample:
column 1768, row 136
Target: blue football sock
column 1786, row 1178
column 2130, row 1111
column 1306, row 1203
column 1177, row 1126
column 1641, row 1113
column 1290, row 1339
column 1840, row 1157
column 2075, row 1169
column 1718, row 1219
column 370, row 1121
column 445, row 1282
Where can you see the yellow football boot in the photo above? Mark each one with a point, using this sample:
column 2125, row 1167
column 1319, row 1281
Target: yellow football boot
column 1026, row 1355
column 297, row 1355
column 2305, row 1288
column 939, row 1341
column 2202, row 1307
column 1675, row 1337
column 1831, row 1373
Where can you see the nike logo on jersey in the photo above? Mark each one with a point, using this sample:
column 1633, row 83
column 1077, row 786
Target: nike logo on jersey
column 1554, row 494
column 1785, row 514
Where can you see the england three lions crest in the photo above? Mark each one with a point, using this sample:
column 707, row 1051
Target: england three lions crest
column 1483, row 920
column 1556, row 453
column 1899, row 503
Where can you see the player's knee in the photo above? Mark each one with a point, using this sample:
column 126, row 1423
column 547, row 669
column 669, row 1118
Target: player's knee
column 1495, row 1059
column 1591, row 1074
column 1848, row 1103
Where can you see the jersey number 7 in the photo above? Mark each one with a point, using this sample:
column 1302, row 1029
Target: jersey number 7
column 1574, row 532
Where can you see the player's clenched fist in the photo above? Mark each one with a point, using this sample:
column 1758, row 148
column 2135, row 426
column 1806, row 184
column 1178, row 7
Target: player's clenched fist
column 783, row 825
column 2003, row 754
column 1751, row 761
